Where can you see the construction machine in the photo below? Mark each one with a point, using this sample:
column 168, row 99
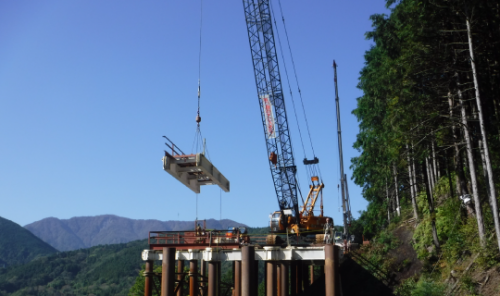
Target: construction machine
column 288, row 219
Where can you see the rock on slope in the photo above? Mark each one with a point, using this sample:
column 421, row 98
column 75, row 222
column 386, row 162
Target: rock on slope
column 85, row 232
column 18, row 245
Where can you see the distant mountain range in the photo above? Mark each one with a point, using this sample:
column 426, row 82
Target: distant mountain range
column 19, row 246
column 85, row 232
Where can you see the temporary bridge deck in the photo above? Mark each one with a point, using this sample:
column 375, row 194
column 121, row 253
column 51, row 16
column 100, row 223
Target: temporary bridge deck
column 286, row 266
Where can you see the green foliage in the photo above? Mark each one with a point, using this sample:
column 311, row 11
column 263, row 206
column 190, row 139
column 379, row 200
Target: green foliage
column 100, row 270
column 387, row 241
column 423, row 287
column 447, row 218
column 453, row 231
column 370, row 222
column 426, row 287
column 455, row 234
column 467, row 284
column 422, row 236
column 406, row 287
column 442, row 188
column 262, row 289
column 19, row 246
column 376, row 253
column 409, row 120
column 138, row 288
column 404, row 112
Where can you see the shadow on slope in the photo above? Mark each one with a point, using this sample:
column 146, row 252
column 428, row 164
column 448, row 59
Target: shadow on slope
column 357, row 281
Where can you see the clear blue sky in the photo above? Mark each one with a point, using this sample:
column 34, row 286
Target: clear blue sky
column 88, row 88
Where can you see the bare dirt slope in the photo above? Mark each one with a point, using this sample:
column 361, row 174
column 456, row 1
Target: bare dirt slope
column 405, row 263
column 468, row 278
column 363, row 275
column 360, row 276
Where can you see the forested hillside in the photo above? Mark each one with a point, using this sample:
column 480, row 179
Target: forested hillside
column 19, row 246
column 101, row 270
column 429, row 129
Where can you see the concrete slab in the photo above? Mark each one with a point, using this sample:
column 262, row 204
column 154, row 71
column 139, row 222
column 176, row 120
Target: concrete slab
column 194, row 170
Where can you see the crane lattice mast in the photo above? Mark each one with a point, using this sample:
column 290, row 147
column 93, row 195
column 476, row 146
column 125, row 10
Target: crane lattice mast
column 272, row 103
column 346, row 206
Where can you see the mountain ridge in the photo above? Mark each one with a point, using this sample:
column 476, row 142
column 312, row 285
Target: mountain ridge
column 88, row 231
column 19, row 246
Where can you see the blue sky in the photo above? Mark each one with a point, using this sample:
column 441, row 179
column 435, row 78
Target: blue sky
column 88, row 89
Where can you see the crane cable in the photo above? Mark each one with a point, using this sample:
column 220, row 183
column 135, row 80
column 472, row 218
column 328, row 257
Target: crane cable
column 198, row 139
column 313, row 169
column 308, row 172
column 296, row 78
column 289, row 87
column 199, row 58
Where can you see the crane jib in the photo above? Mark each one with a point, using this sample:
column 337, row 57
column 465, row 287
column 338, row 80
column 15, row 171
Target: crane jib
column 272, row 103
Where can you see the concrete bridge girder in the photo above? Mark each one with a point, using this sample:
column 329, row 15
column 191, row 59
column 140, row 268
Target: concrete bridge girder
column 312, row 255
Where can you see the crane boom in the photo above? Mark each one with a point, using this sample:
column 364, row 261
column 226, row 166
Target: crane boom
column 272, row 103
column 346, row 205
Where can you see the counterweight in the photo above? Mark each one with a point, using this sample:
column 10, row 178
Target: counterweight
column 272, row 103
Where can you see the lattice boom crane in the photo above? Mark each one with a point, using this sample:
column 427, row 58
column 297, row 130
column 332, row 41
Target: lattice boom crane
column 274, row 120
column 272, row 103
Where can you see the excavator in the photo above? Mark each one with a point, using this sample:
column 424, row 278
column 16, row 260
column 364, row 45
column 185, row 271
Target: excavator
column 289, row 218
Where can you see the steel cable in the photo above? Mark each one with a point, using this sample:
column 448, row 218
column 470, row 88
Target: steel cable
column 296, row 78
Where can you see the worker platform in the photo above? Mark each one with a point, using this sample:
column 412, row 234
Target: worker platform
column 193, row 170
column 183, row 240
column 231, row 239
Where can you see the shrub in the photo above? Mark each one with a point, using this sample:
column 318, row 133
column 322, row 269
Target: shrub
column 426, row 287
column 406, row 287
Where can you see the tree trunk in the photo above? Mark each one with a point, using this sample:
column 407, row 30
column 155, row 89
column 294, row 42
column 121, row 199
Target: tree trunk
column 396, row 188
column 459, row 166
column 428, row 176
column 493, row 200
column 431, row 208
column 435, row 162
column 483, row 164
column 430, row 170
column 412, row 190
column 414, row 172
column 388, row 202
column 472, row 169
column 448, row 175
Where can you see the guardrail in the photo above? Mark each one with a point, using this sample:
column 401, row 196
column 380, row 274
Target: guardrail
column 194, row 239
column 224, row 239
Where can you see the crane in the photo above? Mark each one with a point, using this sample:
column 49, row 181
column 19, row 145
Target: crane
column 346, row 204
column 277, row 135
